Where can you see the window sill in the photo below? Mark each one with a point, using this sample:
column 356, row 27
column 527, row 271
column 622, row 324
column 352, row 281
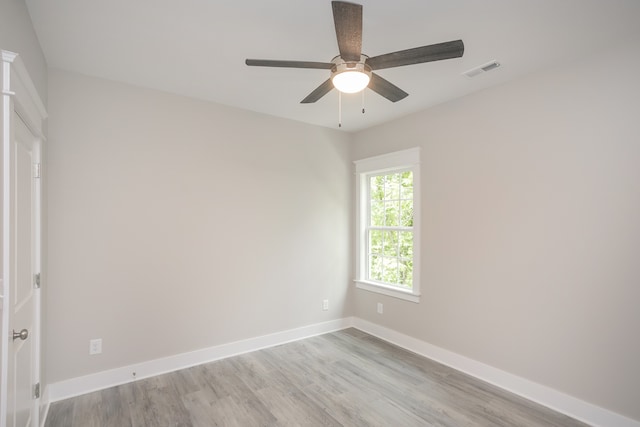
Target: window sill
column 387, row 290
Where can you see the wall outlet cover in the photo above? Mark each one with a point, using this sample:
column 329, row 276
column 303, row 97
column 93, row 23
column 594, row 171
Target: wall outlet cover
column 95, row 346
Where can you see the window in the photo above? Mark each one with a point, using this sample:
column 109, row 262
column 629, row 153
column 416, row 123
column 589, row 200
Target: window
column 389, row 229
column 388, row 224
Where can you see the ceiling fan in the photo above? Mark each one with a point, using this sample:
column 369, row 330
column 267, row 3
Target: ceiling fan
column 351, row 71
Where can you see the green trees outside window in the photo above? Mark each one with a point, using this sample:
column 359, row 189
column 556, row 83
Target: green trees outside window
column 390, row 229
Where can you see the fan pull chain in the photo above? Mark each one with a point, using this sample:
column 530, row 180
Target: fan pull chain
column 363, row 101
column 339, row 109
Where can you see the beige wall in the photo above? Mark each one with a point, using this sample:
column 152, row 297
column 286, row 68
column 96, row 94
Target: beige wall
column 177, row 224
column 531, row 228
column 17, row 35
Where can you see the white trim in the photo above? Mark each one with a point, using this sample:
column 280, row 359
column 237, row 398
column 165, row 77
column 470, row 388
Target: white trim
column 387, row 290
column 26, row 101
column 113, row 377
column 546, row 396
column 389, row 161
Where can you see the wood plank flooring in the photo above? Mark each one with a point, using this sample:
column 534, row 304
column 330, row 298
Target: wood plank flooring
column 345, row 378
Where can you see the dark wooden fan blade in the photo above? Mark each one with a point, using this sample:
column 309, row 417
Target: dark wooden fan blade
column 418, row 55
column 288, row 64
column 320, row 91
column 348, row 21
column 387, row 89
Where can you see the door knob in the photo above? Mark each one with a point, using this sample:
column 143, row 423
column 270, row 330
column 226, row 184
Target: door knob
column 23, row 334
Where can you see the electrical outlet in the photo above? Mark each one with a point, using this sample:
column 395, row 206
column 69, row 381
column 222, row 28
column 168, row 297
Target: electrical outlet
column 325, row 304
column 380, row 308
column 95, row 346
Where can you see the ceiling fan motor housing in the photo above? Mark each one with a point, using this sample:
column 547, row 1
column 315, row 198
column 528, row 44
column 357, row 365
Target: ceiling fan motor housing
column 341, row 65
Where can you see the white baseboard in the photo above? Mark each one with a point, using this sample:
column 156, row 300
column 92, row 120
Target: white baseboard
column 556, row 400
column 113, row 377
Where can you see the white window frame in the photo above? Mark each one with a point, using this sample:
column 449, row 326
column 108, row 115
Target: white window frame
column 387, row 163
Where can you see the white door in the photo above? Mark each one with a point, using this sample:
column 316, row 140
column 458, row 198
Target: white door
column 24, row 298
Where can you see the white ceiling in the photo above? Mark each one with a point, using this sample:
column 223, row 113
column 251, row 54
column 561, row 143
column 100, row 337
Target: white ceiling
column 198, row 47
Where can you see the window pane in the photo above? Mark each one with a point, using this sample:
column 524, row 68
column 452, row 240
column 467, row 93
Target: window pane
column 392, row 187
column 390, row 270
column 406, row 213
column 406, row 244
column 392, row 214
column 405, row 273
column 377, row 214
column 375, row 242
column 406, row 180
column 375, row 268
column 390, row 243
column 377, row 187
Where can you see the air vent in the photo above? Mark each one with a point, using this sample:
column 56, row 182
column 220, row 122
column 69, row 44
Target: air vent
column 481, row 69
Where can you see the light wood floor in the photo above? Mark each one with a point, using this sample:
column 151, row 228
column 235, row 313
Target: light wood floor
column 345, row 378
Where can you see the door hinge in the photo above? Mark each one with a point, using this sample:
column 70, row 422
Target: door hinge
column 36, row 391
column 36, row 281
column 36, row 170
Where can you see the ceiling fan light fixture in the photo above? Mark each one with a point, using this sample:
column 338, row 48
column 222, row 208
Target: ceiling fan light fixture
column 351, row 81
column 350, row 77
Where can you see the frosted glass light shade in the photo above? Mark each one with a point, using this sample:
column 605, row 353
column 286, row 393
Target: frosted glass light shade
column 350, row 81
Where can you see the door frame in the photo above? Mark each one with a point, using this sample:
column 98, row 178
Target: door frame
column 20, row 97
